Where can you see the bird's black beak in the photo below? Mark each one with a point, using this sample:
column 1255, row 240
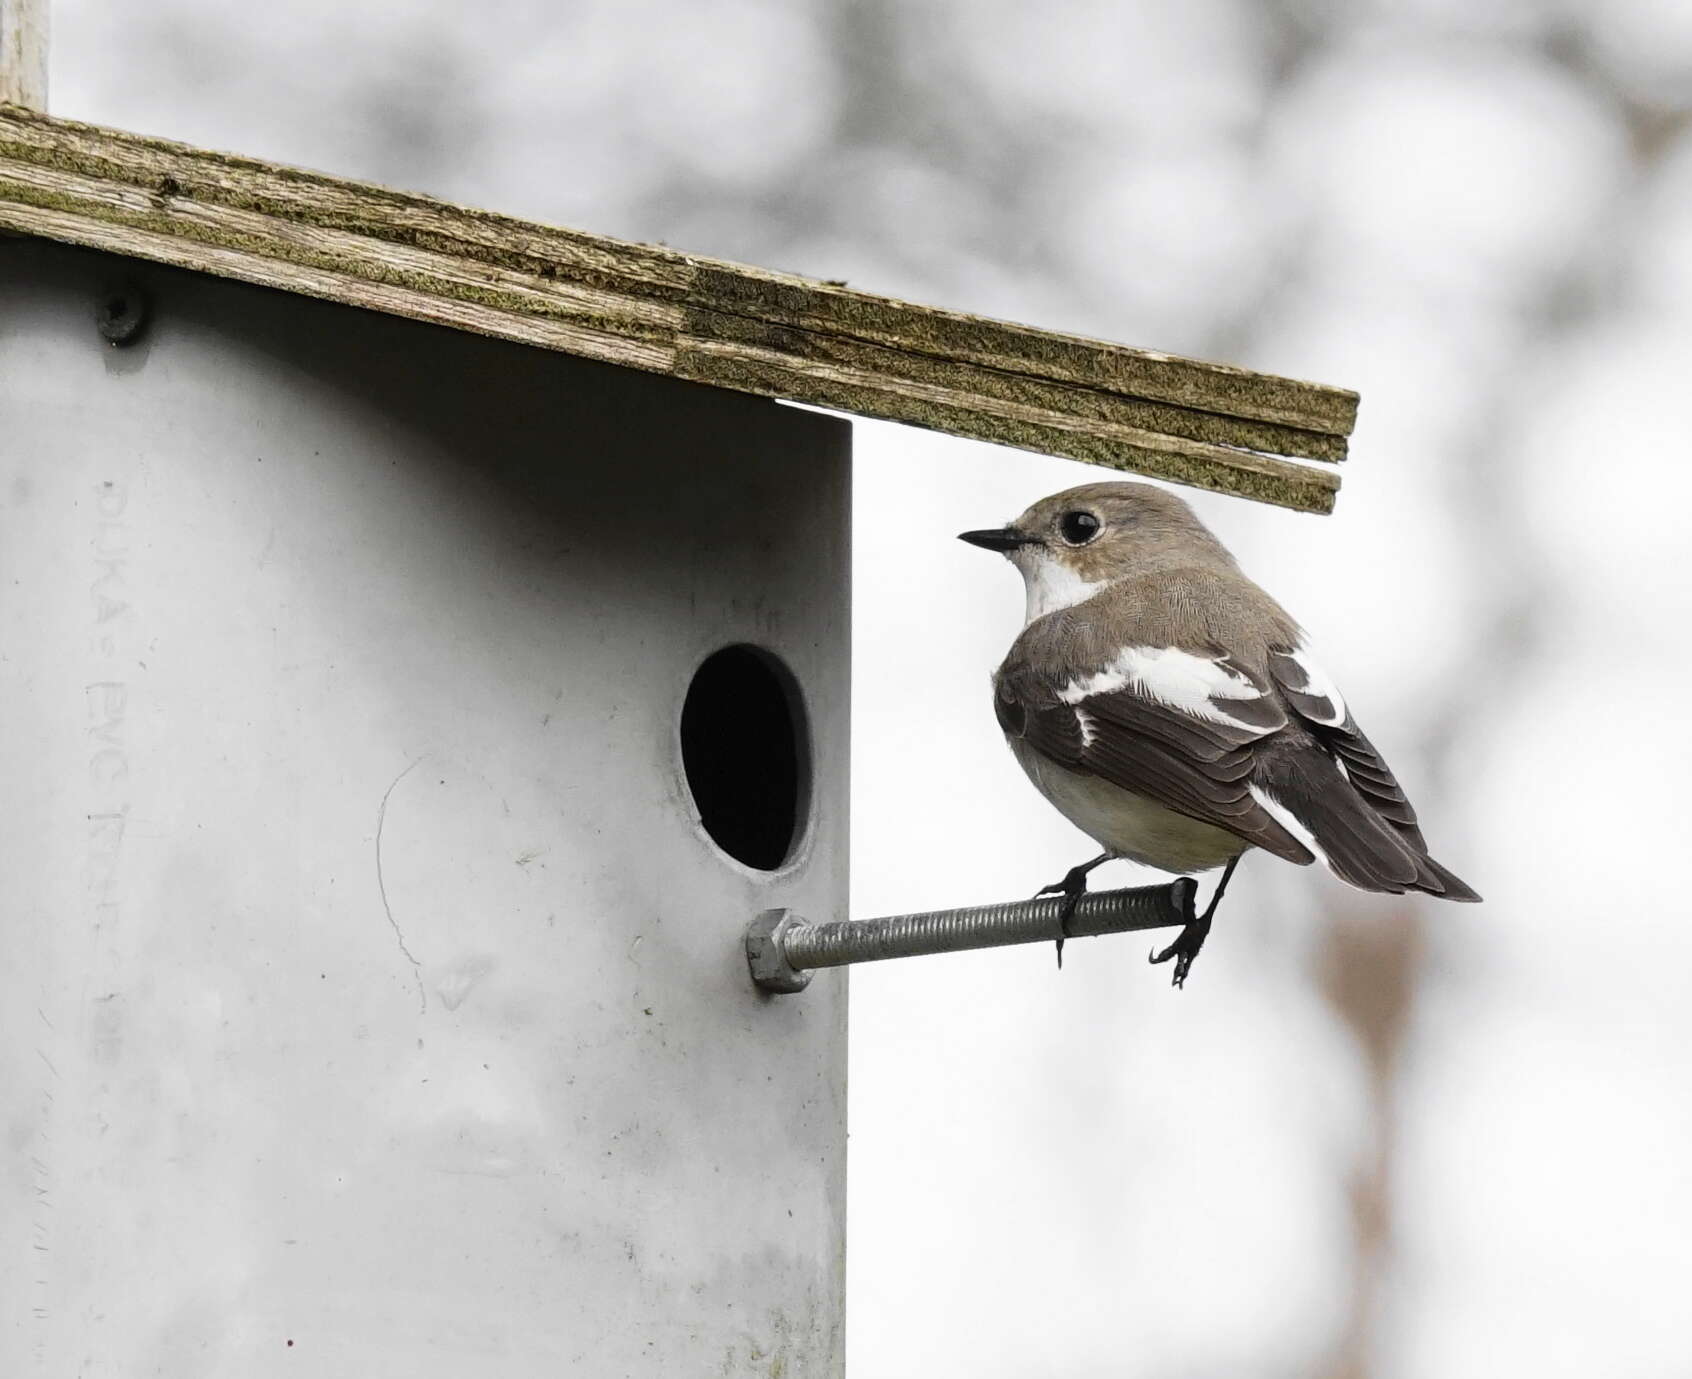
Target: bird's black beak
column 996, row 538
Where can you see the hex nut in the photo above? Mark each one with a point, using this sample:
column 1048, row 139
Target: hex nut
column 766, row 956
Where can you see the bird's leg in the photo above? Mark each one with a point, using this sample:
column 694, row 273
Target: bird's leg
column 1191, row 939
column 1071, row 888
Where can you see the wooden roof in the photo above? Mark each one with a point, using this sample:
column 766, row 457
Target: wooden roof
column 653, row 308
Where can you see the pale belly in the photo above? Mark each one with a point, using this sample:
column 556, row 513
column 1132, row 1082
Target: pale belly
column 1127, row 824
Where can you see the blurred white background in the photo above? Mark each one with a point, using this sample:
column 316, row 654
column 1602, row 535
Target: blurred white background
column 1372, row 1137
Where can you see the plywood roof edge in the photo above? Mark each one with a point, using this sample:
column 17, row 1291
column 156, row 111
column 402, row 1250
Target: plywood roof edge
column 655, row 308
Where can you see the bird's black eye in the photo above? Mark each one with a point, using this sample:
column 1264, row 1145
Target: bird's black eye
column 1078, row 528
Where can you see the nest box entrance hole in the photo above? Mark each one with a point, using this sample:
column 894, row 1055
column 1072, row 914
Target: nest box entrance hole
column 745, row 748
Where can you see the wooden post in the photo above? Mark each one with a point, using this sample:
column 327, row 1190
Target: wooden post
column 23, row 53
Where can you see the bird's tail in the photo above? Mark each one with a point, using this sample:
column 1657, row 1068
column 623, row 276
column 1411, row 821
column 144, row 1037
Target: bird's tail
column 1358, row 845
column 1455, row 888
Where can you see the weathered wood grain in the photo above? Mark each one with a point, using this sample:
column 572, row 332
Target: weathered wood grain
column 1216, row 388
column 649, row 307
column 1182, row 461
column 1090, row 404
column 546, row 332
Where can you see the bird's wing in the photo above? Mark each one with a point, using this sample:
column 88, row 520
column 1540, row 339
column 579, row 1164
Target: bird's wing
column 1317, row 703
column 1177, row 726
column 1379, row 847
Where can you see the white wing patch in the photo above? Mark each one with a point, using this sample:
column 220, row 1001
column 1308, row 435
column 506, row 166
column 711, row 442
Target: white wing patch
column 1318, row 685
column 1171, row 676
column 1089, row 729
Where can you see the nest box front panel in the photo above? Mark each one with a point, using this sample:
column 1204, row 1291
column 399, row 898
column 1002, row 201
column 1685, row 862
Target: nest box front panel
column 402, row 728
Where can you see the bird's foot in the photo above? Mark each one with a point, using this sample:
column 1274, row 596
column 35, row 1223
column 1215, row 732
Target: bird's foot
column 1071, row 888
column 1186, row 947
column 1191, row 939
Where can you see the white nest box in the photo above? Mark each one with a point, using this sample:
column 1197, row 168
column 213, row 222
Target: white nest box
column 413, row 679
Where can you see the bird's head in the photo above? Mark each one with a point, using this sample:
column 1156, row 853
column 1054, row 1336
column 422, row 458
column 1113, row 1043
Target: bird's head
column 1077, row 543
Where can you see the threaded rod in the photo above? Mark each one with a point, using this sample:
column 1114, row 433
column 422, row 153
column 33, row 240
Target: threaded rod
column 782, row 948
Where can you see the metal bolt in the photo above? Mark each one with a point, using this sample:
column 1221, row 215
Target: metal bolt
column 122, row 314
column 782, row 948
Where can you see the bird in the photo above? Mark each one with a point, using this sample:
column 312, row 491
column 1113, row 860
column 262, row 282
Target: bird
column 1174, row 712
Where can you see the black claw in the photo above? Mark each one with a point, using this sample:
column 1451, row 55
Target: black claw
column 1074, row 883
column 1185, row 948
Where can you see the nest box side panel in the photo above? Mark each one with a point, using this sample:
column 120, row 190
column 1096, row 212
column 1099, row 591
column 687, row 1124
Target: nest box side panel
column 373, row 997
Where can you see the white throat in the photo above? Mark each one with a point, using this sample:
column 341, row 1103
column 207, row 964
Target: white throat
column 1050, row 584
